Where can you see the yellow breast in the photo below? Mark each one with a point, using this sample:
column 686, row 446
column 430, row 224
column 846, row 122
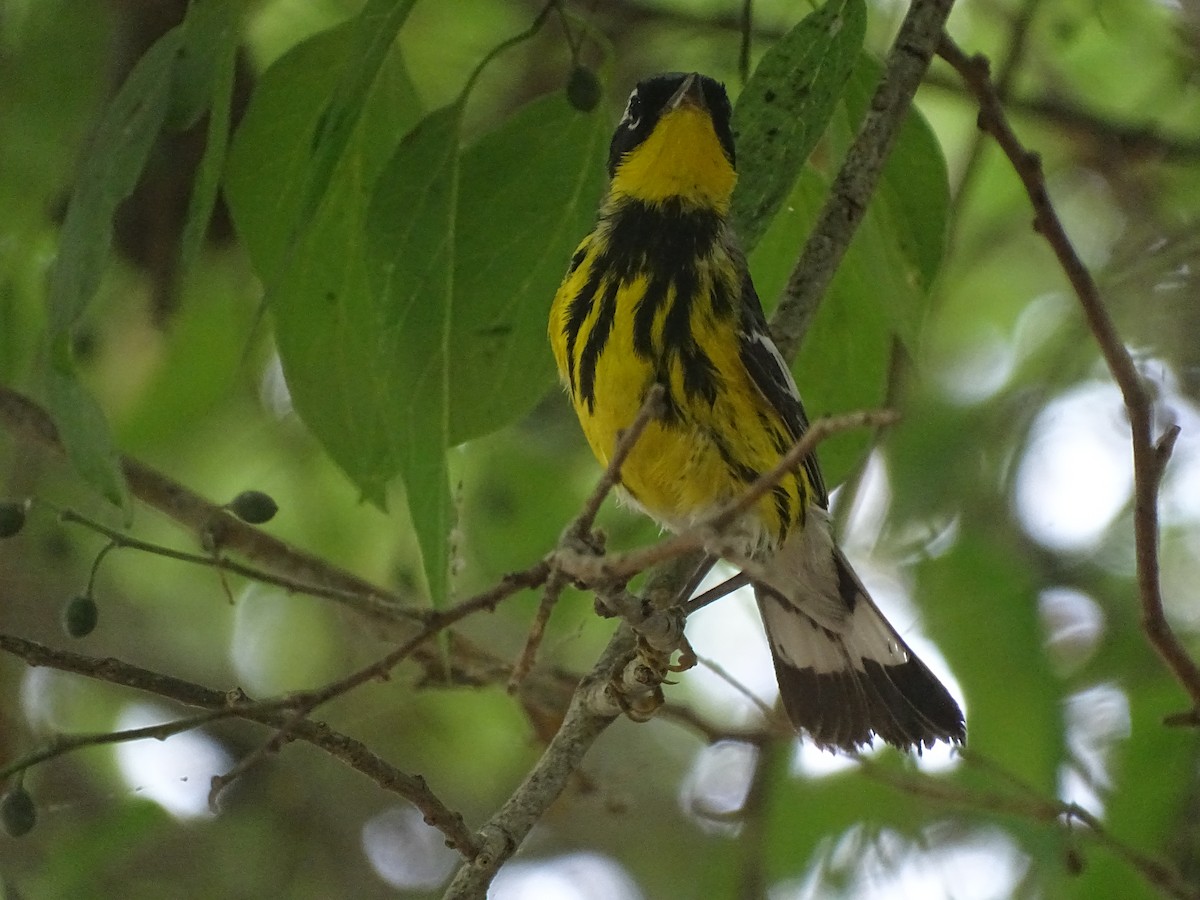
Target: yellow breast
column 719, row 432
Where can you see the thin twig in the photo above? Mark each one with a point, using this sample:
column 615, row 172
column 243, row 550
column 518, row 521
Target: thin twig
column 104, row 551
column 591, row 711
column 302, row 704
column 714, row 733
column 487, row 601
column 747, row 27
column 121, row 540
column 1088, row 127
column 1150, row 455
column 63, row 744
column 508, row 43
column 213, row 527
column 800, row 451
column 537, row 630
column 1013, row 55
column 713, row 594
column 725, row 675
column 1032, row 806
column 579, row 533
column 348, row 750
column 511, row 583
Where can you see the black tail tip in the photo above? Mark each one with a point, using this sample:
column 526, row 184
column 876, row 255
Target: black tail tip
column 904, row 705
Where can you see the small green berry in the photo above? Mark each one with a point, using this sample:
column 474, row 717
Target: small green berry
column 583, row 89
column 17, row 812
column 12, row 518
column 254, row 507
column 80, row 616
column 1074, row 861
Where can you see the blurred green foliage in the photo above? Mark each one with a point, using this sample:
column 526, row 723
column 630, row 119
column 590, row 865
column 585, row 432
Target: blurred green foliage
column 376, row 331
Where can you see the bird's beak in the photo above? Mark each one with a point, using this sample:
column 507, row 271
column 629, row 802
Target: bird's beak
column 690, row 93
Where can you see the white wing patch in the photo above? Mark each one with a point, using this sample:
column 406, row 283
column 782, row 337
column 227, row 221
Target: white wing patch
column 773, row 377
column 785, row 373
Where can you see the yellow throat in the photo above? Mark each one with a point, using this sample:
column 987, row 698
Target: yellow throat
column 682, row 158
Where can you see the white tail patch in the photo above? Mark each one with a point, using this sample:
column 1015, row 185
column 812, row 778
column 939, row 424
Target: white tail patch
column 817, row 613
column 844, row 673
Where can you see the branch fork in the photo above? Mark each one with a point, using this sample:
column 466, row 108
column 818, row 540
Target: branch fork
column 1150, row 455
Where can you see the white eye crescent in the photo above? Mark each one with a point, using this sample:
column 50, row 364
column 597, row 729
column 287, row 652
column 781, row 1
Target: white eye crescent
column 632, row 117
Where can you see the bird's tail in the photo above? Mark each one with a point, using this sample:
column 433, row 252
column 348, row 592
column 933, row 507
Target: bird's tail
column 844, row 673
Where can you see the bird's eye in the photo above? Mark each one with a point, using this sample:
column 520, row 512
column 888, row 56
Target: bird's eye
column 632, row 116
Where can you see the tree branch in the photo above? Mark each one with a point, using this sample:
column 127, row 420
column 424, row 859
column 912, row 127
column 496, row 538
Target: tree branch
column 120, row 540
column 215, row 528
column 346, row 749
column 593, row 708
column 1150, row 454
column 1138, row 139
column 302, row 704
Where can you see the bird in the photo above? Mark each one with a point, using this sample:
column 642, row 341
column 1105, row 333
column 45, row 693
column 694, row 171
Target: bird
column 659, row 293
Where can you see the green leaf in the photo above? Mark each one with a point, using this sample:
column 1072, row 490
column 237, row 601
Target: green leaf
column 218, row 100
column 208, row 38
column 847, row 354
column 374, row 32
column 410, row 251
column 201, row 357
column 370, row 370
column 108, row 175
column 346, row 350
column 980, row 602
column 320, row 303
column 84, row 433
column 785, row 107
column 995, row 647
column 272, row 151
column 908, row 219
column 528, row 193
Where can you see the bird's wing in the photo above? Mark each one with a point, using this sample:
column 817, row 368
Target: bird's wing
column 773, row 378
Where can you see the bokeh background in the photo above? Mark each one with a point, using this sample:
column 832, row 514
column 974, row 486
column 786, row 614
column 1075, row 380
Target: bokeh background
column 993, row 524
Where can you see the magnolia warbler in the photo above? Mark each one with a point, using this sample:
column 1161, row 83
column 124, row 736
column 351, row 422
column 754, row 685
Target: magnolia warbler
column 660, row 293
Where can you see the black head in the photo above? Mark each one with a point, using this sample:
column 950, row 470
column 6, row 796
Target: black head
column 646, row 105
